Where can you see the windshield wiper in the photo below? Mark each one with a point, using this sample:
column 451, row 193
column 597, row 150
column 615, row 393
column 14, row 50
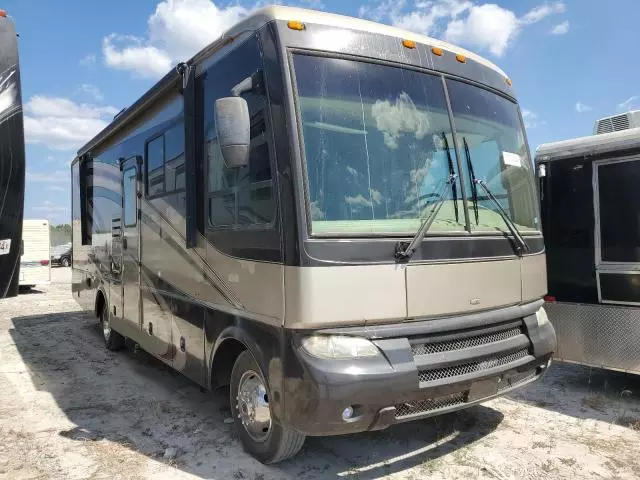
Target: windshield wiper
column 404, row 250
column 521, row 246
column 452, row 172
column 474, row 189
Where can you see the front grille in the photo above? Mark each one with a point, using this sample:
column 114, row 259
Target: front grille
column 462, row 343
column 479, row 366
column 429, row 404
column 517, row 379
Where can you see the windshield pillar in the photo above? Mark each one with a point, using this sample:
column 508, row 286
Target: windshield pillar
column 465, row 202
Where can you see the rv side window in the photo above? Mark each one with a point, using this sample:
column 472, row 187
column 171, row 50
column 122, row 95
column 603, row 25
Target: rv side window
column 238, row 197
column 174, row 158
column 155, row 166
column 165, row 162
column 129, row 193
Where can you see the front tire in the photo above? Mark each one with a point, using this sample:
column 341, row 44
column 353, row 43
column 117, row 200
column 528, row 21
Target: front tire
column 65, row 262
column 260, row 434
column 112, row 339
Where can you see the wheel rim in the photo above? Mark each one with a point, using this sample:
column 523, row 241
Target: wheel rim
column 65, row 263
column 252, row 404
column 106, row 326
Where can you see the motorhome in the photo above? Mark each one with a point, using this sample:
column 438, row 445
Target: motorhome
column 336, row 218
column 35, row 263
column 12, row 159
column 591, row 218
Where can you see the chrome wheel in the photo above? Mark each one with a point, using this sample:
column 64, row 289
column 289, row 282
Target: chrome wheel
column 106, row 326
column 252, row 405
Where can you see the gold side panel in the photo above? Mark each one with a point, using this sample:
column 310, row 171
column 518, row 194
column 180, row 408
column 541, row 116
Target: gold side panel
column 444, row 289
column 534, row 277
column 348, row 295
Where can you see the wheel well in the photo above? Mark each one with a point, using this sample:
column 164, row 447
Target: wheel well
column 223, row 361
column 100, row 300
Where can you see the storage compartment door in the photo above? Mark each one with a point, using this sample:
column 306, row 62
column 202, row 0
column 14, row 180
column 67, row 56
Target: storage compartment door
column 617, row 201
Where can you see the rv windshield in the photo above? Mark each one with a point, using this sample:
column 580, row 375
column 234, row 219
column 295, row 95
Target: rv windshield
column 378, row 146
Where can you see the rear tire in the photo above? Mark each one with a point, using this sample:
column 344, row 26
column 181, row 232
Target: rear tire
column 65, row 262
column 261, row 436
column 112, row 339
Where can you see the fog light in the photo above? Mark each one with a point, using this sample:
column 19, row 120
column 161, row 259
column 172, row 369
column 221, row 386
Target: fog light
column 347, row 413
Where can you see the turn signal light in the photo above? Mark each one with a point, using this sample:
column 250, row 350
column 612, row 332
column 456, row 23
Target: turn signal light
column 549, row 298
column 409, row 43
column 3, row 13
column 295, row 25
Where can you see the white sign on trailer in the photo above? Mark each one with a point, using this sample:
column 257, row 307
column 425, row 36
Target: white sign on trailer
column 5, row 246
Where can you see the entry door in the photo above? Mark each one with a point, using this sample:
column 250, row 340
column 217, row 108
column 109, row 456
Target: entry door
column 617, row 235
column 131, row 243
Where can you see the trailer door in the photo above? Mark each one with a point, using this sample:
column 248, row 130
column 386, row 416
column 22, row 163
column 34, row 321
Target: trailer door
column 617, row 232
column 131, row 243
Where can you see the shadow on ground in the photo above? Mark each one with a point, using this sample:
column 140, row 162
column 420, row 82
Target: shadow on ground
column 136, row 402
column 586, row 392
column 29, row 291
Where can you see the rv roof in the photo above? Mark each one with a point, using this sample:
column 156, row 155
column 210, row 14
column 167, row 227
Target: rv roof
column 267, row 14
column 592, row 145
column 256, row 21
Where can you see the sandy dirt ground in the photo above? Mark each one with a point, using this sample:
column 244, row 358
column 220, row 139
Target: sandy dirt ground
column 69, row 409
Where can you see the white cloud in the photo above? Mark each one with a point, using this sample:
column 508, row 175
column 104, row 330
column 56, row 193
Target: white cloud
column 531, row 119
column 92, row 90
column 62, row 124
column 539, row 13
column 50, row 207
column 560, row 29
column 88, row 60
column 57, row 176
column 56, row 188
column 177, row 30
column 581, row 107
column 629, row 103
column 485, row 26
column 144, row 61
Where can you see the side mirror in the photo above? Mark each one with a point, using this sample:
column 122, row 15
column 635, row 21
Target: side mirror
column 232, row 128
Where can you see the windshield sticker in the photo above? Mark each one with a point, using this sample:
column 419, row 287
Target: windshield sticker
column 512, row 159
column 5, row 246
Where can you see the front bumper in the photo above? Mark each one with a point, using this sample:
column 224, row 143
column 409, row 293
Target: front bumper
column 426, row 368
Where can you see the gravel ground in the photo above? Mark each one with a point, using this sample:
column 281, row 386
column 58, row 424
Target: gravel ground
column 69, row 409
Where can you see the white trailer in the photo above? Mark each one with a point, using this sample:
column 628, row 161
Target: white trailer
column 35, row 261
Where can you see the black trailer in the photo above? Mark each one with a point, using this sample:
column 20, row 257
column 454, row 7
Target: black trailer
column 590, row 198
column 12, row 158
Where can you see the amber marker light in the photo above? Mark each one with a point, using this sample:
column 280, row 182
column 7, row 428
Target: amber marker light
column 409, row 43
column 437, row 51
column 295, row 25
column 461, row 58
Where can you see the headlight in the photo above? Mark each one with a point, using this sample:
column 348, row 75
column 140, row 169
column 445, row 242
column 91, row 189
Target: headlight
column 339, row 347
column 542, row 318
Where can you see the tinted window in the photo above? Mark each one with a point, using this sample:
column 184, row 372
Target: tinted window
column 155, row 166
column 378, row 147
column 618, row 200
column 130, row 197
column 238, row 196
column 491, row 142
column 174, row 158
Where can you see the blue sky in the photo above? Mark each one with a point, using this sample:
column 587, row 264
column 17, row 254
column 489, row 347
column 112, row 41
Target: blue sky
column 571, row 62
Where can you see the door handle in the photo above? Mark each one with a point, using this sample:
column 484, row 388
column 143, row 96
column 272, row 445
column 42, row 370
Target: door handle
column 124, row 243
